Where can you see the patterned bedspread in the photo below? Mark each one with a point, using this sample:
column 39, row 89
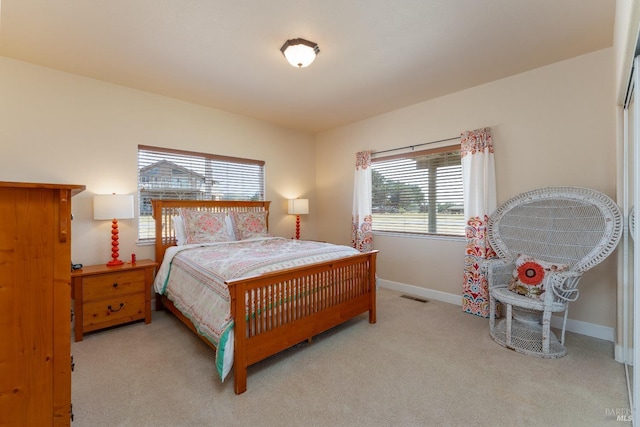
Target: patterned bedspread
column 193, row 278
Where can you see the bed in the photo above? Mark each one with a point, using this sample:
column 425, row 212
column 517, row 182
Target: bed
column 275, row 304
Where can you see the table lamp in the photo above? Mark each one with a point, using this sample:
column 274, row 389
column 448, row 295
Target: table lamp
column 113, row 207
column 298, row 207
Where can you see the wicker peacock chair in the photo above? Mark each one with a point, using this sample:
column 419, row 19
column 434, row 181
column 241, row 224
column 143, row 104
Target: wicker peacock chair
column 545, row 240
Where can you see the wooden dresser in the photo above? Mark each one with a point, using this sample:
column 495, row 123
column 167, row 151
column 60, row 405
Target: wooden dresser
column 35, row 303
column 107, row 296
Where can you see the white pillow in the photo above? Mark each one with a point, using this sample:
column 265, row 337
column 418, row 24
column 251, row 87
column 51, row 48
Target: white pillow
column 178, row 229
column 232, row 235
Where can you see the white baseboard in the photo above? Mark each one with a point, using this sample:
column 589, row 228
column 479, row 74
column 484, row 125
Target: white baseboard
column 421, row 292
column 623, row 356
column 577, row 326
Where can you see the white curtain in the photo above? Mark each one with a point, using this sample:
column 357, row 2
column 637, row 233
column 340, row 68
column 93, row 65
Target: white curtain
column 479, row 183
column 361, row 231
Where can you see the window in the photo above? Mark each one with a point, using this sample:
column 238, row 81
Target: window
column 174, row 174
column 418, row 192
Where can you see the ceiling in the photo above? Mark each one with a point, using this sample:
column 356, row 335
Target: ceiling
column 375, row 55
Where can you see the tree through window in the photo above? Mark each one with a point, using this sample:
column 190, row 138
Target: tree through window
column 418, row 192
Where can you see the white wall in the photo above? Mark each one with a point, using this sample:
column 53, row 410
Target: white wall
column 551, row 126
column 624, row 41
column 62, row 128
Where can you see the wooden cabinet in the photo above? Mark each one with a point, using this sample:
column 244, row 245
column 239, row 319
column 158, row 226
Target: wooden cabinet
column 107, row 296
column 35, row 303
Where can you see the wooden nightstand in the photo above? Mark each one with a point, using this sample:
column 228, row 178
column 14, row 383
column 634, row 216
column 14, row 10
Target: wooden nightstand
column 108, row 296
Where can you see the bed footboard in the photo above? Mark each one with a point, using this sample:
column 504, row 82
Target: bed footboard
column 281, row 309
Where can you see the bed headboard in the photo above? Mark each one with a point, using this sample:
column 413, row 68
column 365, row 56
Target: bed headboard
column 164, row 210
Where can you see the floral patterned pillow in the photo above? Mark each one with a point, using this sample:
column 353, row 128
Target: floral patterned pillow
column 249, row 224
column 204, row 226
column 528, row 276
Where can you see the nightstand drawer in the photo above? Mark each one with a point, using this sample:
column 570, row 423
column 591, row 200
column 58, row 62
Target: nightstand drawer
column 113, row 284
column 113, row 311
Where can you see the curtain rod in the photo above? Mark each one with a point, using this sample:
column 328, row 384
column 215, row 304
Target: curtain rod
column 414, row 146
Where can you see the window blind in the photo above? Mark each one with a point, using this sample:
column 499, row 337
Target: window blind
column 418, row 192
column 165, row 173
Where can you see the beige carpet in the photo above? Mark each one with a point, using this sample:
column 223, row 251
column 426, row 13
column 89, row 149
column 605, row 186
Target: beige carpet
column 420, row 365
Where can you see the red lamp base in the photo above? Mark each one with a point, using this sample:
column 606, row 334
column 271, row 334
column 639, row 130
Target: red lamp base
column 115, row 250
column 297, row 227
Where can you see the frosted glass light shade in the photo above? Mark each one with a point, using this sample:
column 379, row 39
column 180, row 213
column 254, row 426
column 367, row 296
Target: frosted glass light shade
column 300, row 52
column 298, row 206
column 113, row 206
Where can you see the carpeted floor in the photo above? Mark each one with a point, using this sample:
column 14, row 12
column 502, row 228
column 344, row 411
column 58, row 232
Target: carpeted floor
column 422, row 364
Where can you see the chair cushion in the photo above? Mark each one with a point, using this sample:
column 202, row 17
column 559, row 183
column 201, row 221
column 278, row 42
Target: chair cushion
column 528, row 276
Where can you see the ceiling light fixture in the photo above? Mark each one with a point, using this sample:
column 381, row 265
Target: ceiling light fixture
column 300, row 52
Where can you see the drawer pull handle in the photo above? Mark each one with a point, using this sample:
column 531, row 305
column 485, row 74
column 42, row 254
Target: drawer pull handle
column 111, row 310
column 115, row 285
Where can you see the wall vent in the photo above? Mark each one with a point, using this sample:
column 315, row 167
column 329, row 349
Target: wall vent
column 414, row 298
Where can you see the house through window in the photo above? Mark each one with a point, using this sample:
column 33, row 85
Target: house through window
column 418, row 192
column 175, row 174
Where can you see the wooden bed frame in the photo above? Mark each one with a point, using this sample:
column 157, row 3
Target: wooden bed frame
column 348, row 290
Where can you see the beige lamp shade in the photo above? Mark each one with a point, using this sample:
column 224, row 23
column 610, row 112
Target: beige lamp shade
column 298, row 206
column 113, row 206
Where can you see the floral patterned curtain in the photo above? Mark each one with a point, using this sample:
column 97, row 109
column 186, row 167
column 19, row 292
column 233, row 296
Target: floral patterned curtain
column 361, row 231
column 478, row 176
